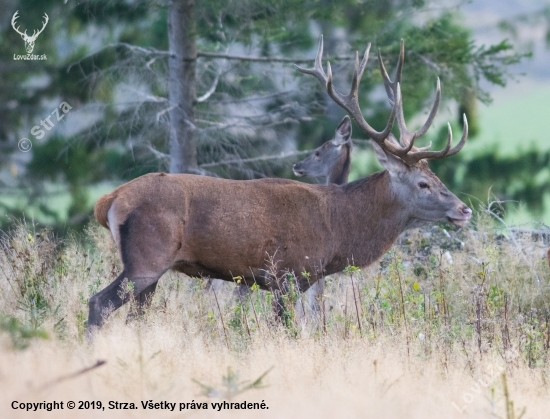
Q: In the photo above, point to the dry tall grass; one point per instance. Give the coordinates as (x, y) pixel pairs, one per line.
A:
(435, 329)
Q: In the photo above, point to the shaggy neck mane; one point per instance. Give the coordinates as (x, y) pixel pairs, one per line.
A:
(368, 220)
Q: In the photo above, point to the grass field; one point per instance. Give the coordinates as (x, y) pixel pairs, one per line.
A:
(448, 324)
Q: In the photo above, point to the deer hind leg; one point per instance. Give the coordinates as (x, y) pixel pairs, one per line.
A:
(143, 302)
(147, 246)
(102, 304)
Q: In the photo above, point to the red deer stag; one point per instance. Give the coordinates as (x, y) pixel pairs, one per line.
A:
(221, 228)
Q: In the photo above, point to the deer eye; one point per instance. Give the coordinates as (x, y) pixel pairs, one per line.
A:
(317, 154)
(423, 185)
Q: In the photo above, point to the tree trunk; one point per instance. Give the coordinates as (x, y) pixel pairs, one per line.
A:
(182, 86)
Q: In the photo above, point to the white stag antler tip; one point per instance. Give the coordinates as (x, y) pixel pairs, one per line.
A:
(438, 84)
(367, 50)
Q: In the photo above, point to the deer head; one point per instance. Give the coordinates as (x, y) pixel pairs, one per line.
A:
(29, 40)
(411, 181)
(332, 159)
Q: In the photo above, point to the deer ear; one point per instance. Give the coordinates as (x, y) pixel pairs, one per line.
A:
(388, 161)
(343, 132)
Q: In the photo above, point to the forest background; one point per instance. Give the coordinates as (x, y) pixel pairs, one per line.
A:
(211, 88)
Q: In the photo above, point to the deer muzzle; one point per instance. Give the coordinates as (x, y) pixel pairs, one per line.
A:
(297, 169)
(461, 216)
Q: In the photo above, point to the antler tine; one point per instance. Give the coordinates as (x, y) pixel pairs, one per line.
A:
(351, 102)
(388, 84)
(419, 155)
(405, 148)
(447, 151)
(421, 131)
(317, 69)
(462, 141)
(351, 106)
(386, 139)
(412, 155)
(405, 134)
(359, 70)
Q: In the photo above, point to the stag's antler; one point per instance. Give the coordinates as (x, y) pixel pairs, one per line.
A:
(404, 149)
(391, 86)
(350, 102)
(407, 152)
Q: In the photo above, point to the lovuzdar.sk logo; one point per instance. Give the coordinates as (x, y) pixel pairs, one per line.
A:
(29, 39)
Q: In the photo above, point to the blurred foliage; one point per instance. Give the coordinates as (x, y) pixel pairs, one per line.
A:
(20, 334)
(108, 61)
(538, 17)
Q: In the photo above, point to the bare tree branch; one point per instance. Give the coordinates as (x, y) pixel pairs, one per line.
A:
(216, 55)
(153, 52)
(148, 51)
(257, 159)
(168, 109)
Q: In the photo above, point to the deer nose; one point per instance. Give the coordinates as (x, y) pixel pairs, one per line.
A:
(297, 170)
(466, 211)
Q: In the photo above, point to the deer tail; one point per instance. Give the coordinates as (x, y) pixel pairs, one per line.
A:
(102, 207)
